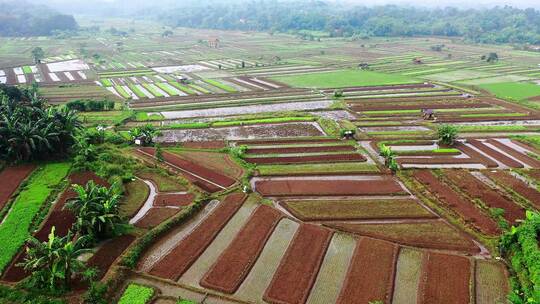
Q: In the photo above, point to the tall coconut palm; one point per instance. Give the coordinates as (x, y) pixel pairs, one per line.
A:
(52, 264)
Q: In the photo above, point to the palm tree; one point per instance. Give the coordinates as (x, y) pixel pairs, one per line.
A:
(53, 263)
(96, 209)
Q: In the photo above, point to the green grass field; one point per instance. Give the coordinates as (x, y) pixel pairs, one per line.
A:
(513, 90)
(343, 78)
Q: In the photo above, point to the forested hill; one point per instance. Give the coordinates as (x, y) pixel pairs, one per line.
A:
(25, 19)
(495, 25)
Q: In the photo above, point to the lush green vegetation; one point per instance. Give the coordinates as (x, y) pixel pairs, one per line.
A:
(152, 90)
(183, 88)
(496, 25)
(15, 228)
(520, 247)
(87, 105)
(447, 134)
(29, 130)
(136, 294)
(144, 116)
(343, 78)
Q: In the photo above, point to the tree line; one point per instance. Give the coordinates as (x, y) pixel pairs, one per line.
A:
(24, 19)
(494, 25)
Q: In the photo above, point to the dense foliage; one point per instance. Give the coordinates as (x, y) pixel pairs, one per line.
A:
(496, 25)
(29, 130)
(24, 19)
(447, 134)
(520, 247)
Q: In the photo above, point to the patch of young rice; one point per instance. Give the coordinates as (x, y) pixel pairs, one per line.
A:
(136, 294)
(408, 272)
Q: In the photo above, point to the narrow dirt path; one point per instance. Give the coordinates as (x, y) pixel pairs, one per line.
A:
(148, 204)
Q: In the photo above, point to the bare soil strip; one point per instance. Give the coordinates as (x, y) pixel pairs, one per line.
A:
(278, 150)
(479, 157)
(287, 141)
(478, 190)
(299, 267)
(328, 187)
(371, 273)
(236, 261)
(514, 153)
(355, 157)
(156, 216)
(11, 178)
(445, 279)
(174, 264)
(466, 209)
(173, 199)
(510, 162)
(520, 187)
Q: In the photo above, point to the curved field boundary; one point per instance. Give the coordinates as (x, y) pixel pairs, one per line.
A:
(11, 178)
(234, 264)
(512, 183)
(407, 276)
(328, 187)
(345, 210)
(491, 282)
(445, 279)
(514, 153)
(466, 210)
(510, 162)
(478, 190)
(178, 261)
(294, 278)
(428, 234)
(371, 273)
(173, 199)
(307, 159)
(307, 149)
(59, 218)
(202, 175)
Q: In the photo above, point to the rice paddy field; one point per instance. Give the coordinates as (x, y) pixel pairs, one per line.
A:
(269, 182)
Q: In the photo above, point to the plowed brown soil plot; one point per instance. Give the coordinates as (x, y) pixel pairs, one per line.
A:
(11, 178)
(288, 141)
(307, 149)
(436, 161)
(328, 187)
(59, 218)
(445, 279)
(299, 267)
(466, 209)
(429, 234)
(172, 199)
(236, 261)
(156, 216)
(198, 174)
(186, 252)
(335, 210)
(510, 162)
(477, 156)
(371, 273)
(307, 159)
(478, 190)
(516, 154)
(520, 187)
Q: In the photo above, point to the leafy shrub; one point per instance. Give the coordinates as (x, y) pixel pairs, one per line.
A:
(447, 134)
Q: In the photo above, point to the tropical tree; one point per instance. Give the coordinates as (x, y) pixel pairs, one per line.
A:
(53, 263)
(38, 54)
(447, 134)
(96, 209)
(145, 134)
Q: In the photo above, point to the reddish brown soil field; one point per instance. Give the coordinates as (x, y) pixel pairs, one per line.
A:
(195, 173)
(204, 145)
(307, 159)
(236, 261)
(328, 187)
(516, 154)
(495, 154)
(429, 234)
(478, 190)
(479, 157)
(371, 273)
(156, 216)
(11, 178)
(173, 200)
(507, 180)
(186, 252)
(294, 278)
(278, 150)
(288, 141)
(441, 160)
(59, 218)
(445, 279)
(467, 210)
